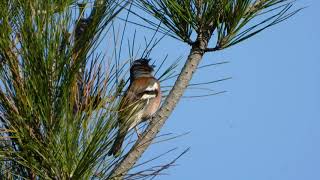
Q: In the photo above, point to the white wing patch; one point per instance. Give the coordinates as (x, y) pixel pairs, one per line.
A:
(153, 87)
(148, 96)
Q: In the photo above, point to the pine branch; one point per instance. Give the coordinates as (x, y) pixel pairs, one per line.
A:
(256, 6)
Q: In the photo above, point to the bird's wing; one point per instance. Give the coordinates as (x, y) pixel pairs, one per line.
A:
(132, 107)
(135, 99)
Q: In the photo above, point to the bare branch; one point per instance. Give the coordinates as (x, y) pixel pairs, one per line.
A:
(212, 49)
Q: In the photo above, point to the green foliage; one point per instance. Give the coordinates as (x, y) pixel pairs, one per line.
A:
(57, 116)
(232, 21)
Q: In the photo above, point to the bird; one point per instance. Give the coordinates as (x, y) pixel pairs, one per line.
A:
(139, 103)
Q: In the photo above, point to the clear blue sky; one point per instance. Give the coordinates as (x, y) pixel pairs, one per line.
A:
(267, 126)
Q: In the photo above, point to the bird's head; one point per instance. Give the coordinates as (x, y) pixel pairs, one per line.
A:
(141, 68)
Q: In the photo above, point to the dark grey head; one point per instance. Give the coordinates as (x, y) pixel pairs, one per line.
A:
(141, 68)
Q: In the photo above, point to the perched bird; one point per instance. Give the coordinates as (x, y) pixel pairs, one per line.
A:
(140, 101)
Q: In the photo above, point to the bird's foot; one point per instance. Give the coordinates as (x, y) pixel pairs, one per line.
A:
(150, 119)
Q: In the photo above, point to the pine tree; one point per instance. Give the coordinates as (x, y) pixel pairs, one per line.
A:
(58, 101)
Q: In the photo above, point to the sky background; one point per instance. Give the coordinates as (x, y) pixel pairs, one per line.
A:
(267, 125)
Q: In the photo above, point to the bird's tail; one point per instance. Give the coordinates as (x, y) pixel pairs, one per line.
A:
(116, 147)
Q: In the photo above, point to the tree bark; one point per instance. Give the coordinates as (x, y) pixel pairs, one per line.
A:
(193, 60)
